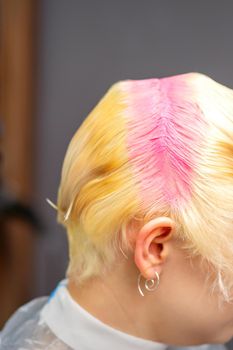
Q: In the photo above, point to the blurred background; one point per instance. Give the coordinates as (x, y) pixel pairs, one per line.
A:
(57, 59)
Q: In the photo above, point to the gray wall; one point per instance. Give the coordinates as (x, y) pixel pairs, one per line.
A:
(84, 47)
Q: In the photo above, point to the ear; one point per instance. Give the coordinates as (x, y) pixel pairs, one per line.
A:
(151, 247)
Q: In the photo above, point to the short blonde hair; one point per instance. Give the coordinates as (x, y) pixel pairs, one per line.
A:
(151, 147)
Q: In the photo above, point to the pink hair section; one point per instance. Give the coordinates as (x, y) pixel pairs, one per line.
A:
(166, 129)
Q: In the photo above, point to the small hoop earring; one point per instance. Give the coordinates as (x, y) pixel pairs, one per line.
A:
(150, 284)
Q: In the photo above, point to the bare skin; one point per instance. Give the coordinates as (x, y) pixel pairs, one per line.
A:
(180, 312)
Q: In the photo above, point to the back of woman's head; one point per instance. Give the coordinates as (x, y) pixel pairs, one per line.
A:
(152, 147)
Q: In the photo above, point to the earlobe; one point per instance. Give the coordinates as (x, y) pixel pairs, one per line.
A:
(150, 244)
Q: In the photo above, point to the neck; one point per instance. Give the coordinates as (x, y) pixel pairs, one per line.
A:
(112, 300)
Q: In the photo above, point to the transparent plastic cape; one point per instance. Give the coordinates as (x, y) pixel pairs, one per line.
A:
(23, 331)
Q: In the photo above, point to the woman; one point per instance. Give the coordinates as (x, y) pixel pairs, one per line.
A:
(146, 199)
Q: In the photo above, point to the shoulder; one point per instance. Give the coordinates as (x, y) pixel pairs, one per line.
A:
(27, 330)
(22, 323)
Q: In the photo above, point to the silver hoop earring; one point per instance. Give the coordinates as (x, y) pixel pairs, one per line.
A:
(150, 284)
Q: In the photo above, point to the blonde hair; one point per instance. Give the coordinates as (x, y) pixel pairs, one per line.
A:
(151, 147)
